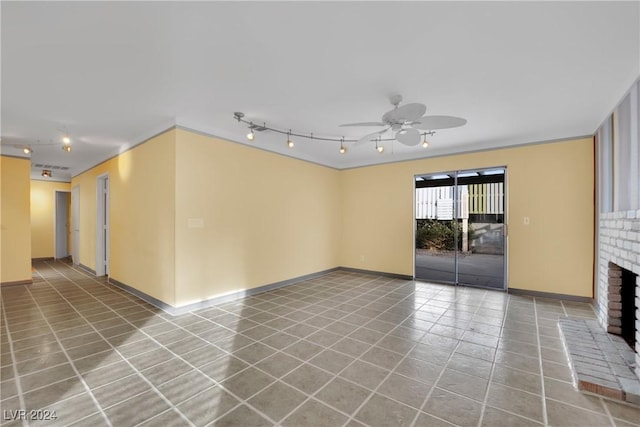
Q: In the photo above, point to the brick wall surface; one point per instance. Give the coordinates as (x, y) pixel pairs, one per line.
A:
(619, 243)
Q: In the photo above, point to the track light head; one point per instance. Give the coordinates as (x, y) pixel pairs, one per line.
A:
(66, 140)
(251, 136)
(343, 149)
(380, 148)
(46, 173)
(27, 150)
(66, 148)
(425, 143)
(290, 143)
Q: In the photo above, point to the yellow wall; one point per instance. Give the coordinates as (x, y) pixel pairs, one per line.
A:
(265, 217)
(194, 217)
(43, 204)
(15, 229)
(552, 184)
(142, 211)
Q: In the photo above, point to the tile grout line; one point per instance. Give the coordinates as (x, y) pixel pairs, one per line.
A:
(493, 365)
(14, 364)
(70, 361)
(313, 397)
(444, 367)
(215, 382)
(321, 299)
(545, 417)
(115, 350)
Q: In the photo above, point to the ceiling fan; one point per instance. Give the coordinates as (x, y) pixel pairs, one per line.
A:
(407, 121)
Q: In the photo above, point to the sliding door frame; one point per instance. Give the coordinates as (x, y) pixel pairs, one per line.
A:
(455, 173)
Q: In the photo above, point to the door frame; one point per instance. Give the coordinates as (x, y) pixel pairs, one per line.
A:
(102, 218)
(55, 225)
(505, 216)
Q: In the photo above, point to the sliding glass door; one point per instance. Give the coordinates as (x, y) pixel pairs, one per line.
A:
(460, 227)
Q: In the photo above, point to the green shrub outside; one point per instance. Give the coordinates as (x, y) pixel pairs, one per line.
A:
(437, 235)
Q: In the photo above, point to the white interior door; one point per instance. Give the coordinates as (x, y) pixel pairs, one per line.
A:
(61, 225)
(75, 224)
(102, 226)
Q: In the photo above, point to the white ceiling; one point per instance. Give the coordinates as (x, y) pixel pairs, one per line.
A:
(115, 73)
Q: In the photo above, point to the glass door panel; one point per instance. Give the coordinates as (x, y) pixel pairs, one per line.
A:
(481, 257)
(460, 229)
(435, 229)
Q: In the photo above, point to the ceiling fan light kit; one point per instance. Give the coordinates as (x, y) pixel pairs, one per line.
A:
(408, 123)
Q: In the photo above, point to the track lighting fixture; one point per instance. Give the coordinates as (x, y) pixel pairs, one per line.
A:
(289, 141)
(27, 150)
(66, 148)
(343, 150)
(66, 140)
(261, 128)
(46, 173)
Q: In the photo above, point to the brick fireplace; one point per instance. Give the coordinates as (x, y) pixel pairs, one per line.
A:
(619, 250)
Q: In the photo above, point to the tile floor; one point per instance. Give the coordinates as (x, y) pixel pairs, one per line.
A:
(345, 349)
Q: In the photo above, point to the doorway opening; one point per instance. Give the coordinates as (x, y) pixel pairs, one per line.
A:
(102, 225)
(460, 227)
(62, 230)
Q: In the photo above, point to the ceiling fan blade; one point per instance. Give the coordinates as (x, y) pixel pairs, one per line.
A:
(408, 137)
(364, 124)
(369, 138)
(405, 113)
(438, 122)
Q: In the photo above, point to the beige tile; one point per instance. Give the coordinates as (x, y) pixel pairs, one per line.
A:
(384, 358)
(68, 411)
(107, 374)
(303, 350)
(137, 409)
(331, 361)
(46, 377)
(343, 395)
(223, 368)
(623, 411)
(313, 413)
(364, 374)
(513, 400)
(307, 378)
(248, 382)
(426, 420)
(381, 411)
(185, 386)
(463, 384)
(207, 406)
(351, 347)
(419, 370)
(470, 365)
(405, 390)
(561, 415)
(567, 393)
(277, 400)
(517, 379)
(279, 364)
(493, 417)
(453, 408)
(120, 390)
